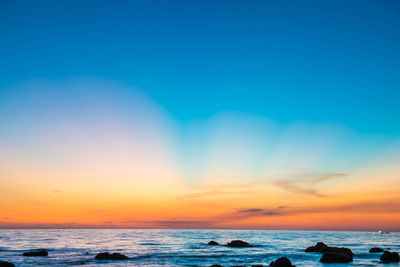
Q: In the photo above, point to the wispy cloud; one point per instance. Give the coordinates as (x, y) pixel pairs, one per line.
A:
(392, 206)
(305, 183)
(298, 183)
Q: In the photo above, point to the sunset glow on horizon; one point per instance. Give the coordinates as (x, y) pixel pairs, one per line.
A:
(199, 130)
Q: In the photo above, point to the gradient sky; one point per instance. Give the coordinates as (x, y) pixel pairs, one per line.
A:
(200, 114)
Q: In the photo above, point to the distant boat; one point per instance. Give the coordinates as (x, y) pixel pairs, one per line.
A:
(383, 232)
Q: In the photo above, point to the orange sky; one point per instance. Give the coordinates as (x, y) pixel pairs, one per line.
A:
(104, 167)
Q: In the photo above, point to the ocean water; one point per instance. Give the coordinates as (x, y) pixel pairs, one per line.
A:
(185, 247)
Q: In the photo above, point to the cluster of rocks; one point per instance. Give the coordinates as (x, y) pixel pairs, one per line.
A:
(44, 253)
(332, 254)
(329, 254)
(344, 255)
(387, 255)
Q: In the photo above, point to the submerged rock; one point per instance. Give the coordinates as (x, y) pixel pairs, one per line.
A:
(216, 265)
(316, 248)
(108, 256)
(375, 249)
(335, 254)
(6, 264)
(38, 253)
(388, 256)
(282, 262)
(238, 244)
(213, 243)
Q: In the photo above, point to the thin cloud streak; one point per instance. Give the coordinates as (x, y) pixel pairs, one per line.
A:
(362, 207)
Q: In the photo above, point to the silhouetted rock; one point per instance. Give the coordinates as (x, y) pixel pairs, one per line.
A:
(282, 262)
(6, 264)
(37, 253)
(335, 254)
(216, 265)
(317, 248)
(213, 243)
(332, 254)
(108, 256)
(337, 249)
(238, 244)
(375, 249)
(257, 265)
(388, 256)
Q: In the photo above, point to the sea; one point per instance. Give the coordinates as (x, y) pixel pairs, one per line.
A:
(69, 247)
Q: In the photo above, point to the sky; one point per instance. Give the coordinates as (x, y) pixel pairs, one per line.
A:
(200, 114)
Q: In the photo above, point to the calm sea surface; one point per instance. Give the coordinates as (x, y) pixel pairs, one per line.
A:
(185, 247)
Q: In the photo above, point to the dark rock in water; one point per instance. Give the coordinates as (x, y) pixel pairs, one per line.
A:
(388, 256)
(257, 265)
(6, 264)
(332, 254)
(238, 244)
(375, 249)
(282, 262)
(317, 248)
(37, 253)
(216, 265)
(337, 249)
(335, 254)
(108, 256)
(213, 243)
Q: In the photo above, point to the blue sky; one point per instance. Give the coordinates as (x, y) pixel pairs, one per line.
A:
(320, 61)
(166, 109)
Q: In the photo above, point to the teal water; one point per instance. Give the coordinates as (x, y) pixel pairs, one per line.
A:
(185, 247)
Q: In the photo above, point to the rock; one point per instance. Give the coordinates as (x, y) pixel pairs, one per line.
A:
(375, 249)
(37, 253)
(337, 249)
(335, 254)
(282, 262)
(216, 265)
(388, 256)
(6, 264)
(108, 256)
(332, 254)
(317, 248)
(256, 265)
(238, 244)
(213, 243)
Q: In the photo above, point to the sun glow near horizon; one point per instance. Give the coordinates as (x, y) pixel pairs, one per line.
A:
(94, 153)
